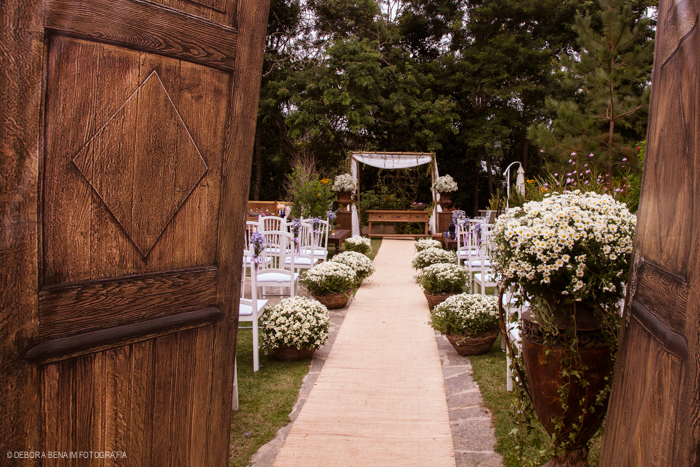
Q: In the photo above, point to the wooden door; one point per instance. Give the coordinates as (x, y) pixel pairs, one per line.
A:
(654, 412)
(127, 136)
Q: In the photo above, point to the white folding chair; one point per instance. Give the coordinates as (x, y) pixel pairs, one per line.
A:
(277, 271)
(251, 309)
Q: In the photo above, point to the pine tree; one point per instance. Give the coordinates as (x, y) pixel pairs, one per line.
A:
(609, 82)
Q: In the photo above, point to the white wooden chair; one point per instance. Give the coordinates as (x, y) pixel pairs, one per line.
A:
(272, 223)
(278, 271)
(513, 329)
(484, 276)
(303, 256)
(250, 309)
(319, 238)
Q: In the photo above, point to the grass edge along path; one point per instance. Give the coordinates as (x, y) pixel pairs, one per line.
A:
(265, 399)
(489, 371)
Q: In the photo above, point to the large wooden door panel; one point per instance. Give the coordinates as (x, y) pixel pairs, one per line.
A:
(127, 179)
(654, 412)
(125, 172)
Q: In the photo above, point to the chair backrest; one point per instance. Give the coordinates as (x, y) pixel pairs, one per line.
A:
(278, 248)
(319, 234)
(272, 223)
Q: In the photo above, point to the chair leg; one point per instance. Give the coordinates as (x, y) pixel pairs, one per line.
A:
(256, 356)
(235, 385)
(509, 374)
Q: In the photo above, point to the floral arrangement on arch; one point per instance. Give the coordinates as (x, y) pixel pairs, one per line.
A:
(328, 277)
(445, 184)
(466, 314)
(344, 182)
(359, 262)
(425, 243)
(578, 244)
(360, 244)
(443, 278)
(430, 256)
(297, 322)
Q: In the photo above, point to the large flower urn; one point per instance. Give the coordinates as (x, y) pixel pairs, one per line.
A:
(559, 396)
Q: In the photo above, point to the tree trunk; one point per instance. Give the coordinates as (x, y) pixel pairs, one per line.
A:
(257, 154)
(476, 200)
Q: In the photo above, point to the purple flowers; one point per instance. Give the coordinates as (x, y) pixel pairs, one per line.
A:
(330, 215)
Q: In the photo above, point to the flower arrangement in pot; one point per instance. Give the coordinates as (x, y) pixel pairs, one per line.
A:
(468, 321)
(441, 281)
(294, 328)
(425, 258)
(360, 244)
(425, 243)
(569, 254)
(359, 262)
(344, 184)
(330, 283)
(445, 185)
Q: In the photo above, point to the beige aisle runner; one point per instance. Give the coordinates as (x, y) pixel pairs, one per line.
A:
(380, 397)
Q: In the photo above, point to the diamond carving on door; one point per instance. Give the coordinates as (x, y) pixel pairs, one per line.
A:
(143, 163)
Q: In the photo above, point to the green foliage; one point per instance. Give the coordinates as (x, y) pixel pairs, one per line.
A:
(443, 278)
(465, 314)
(310, 196)
(609, 82)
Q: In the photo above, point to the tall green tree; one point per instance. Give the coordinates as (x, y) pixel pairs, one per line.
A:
(609, 85)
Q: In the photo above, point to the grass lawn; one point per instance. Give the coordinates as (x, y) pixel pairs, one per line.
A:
(265, 398)
(489, 372)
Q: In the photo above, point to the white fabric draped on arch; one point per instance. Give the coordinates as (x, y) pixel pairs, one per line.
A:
(397, 160)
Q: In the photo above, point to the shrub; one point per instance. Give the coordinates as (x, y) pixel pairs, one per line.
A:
(433, 256)
(328, 277)
(425, 243)
(359, 262)
(360, 244)
(465, 314)
(443, 278)
(297, 322)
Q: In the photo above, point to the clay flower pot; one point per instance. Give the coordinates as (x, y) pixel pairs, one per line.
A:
(434, 299)
(334, 301)
(292, 354)
(475, 345)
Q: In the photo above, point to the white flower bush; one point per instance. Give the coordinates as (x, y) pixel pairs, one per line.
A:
(360, 244)
(328, 277)
(425, 243)
(577, 244)
(430, 256)
(466, 314)
(443, 278)
(297, 322)
(344, 182)
(445, 184)
(359, 262)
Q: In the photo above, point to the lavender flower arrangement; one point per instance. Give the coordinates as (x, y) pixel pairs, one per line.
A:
(258, 242)
(330, 215)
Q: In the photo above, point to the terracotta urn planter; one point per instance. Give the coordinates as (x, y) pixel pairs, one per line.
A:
(292, 354)
(434, 299)
(476, 345)
(334, 301)
(445, 200)
(544, 362)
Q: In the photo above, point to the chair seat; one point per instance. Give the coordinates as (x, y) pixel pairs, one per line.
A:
(490, 278)
(477, 263)
(275, 277)
(302, 261)
(317, 251)
(247, 310)
(467, 254)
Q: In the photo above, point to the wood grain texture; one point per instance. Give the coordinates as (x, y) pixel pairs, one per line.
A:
(663, 292)
(21, 60)
(145, 26)
(70, 310)
(97, 341)
(251, 21)
(82, 239)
